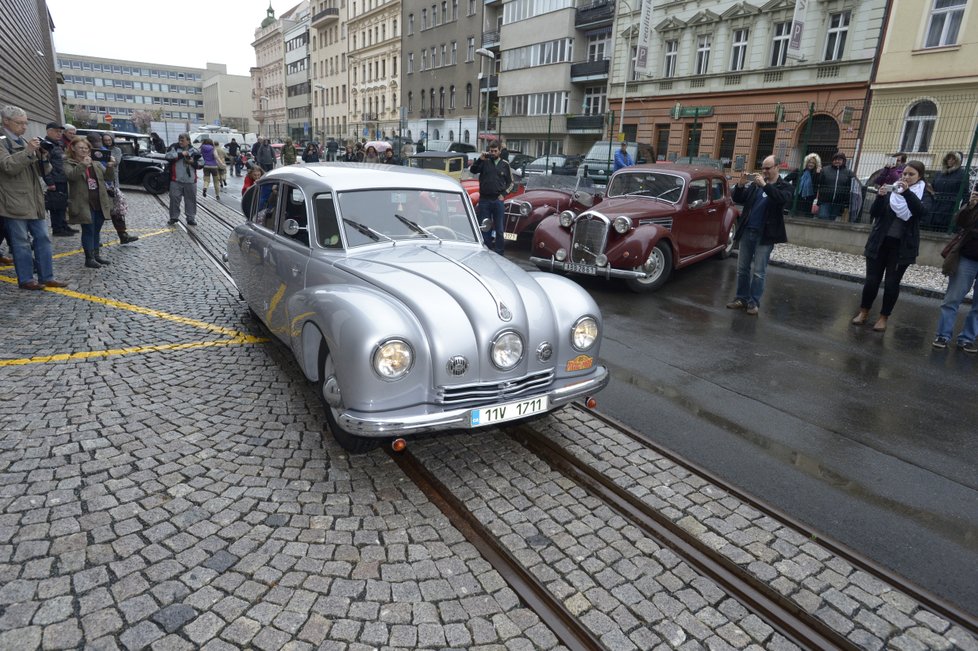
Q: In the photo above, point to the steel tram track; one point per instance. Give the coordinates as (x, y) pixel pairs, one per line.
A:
(782, 614)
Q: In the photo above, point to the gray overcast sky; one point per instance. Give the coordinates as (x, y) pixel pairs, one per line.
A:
(216, 31)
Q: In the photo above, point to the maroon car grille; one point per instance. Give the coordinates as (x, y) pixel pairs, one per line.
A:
(512, 212)
(588, 240)
(490, 392)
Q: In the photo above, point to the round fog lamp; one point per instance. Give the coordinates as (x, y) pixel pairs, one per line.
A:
(567, 218)
(561, 255)
(585, 333)
(393, 359)
(622, 224)
(601, 260)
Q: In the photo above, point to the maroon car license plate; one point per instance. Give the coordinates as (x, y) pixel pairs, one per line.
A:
(510, 236)
(586, 269)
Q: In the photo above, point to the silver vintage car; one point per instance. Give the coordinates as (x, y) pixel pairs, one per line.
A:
(377, 278)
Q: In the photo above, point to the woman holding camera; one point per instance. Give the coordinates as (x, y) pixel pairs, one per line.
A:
(88, 199)
(894, 242)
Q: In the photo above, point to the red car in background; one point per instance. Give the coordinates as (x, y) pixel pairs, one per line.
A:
(653, 219)
(545, 195)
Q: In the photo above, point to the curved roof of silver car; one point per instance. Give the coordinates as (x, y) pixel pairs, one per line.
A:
(364, 176)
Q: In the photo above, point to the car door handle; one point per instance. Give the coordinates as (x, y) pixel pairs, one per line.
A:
(711, 210)
(265, 254)
(295, 271)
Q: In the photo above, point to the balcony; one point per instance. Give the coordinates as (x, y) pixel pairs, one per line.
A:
(368, 117)
(325, 17)
(489, 84)
(585, 124)
(490, 39)
(590, 71)
(596, 14)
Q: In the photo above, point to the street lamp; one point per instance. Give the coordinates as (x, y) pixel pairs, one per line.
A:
(624, 81)
(487, 54)
(322, 98)
(264, 112)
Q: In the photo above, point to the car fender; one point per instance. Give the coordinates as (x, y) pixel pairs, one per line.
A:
(569, 302)
(636, 246)
(351, 321)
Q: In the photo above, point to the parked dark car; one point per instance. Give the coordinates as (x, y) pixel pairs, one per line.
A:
(545, 195)
(518, 161)
(554, 164)
(140, 165)
(655, 218)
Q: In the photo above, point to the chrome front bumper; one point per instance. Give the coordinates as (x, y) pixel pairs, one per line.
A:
(552, 264)
(388, 424)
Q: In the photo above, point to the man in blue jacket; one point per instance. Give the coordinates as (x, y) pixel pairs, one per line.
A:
(622, 159)
(761, 226)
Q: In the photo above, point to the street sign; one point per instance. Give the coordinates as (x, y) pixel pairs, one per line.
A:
(108, 118)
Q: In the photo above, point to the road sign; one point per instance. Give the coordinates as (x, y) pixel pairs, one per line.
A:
(108, 118)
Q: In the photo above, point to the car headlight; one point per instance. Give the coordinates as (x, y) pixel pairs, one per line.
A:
(622, 224)
(585, 333)
(567, 218)
(524, 209)
(507, 350)
(393, 359)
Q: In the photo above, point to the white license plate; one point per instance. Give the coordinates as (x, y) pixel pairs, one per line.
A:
(510, 236)
(508, 411)
(586, 269)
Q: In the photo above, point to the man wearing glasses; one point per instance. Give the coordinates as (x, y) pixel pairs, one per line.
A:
(760, 227)
(22, 202)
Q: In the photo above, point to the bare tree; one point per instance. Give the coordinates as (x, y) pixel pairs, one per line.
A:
(142, 120)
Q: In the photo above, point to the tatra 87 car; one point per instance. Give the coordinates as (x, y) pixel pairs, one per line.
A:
(377, 279)
(654, 218)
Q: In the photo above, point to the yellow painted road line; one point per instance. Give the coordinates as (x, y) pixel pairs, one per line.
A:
(66, 357)
(68, 254)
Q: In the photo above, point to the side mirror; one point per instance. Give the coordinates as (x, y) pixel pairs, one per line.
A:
(291, 227)
(697, 203)
(486, 225)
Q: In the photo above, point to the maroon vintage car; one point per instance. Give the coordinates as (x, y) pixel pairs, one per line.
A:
(546, 195)
(654, 218)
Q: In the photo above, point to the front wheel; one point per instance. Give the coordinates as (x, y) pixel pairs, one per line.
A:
(155, 183)
(659, 268)
(332, 399)
(728, 248)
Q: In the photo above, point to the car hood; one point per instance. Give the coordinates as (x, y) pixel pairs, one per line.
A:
(635, 207)
(462, 295)
(544, 197)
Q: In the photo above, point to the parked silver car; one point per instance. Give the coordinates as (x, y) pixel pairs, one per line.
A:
(377, 278)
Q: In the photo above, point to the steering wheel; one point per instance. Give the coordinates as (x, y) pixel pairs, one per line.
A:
(443, 232)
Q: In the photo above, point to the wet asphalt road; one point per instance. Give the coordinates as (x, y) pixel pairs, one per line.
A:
(869, 438)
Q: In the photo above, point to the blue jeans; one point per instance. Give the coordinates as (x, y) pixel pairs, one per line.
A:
(750, 283)
(829, 210)
(493, 210)
(958, 285)
(21, 245)
(91, 233)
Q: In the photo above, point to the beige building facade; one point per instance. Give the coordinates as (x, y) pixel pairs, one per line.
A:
(328, 74)
(925, 94)
(373, 68)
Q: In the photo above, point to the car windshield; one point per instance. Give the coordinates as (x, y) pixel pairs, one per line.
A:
(559, 182)
(385, 215)
(659, 185)
(547, 162)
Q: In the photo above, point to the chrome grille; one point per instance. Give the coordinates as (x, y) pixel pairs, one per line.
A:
(490, 392)
(589, 239)
(512, 211)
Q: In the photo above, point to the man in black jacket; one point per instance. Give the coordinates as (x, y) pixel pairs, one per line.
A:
(56, 196)
(761, 226)
(495, 182)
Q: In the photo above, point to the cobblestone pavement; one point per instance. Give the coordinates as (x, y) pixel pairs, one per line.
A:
(165, 483)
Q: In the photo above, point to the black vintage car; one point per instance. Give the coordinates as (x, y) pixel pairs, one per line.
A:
(140, 165)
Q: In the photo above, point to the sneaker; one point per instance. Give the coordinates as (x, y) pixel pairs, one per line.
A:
(63, 233)
(54, 283)
(939, 342)
(205, 192)
(127, 238)
(751, 309)
(173, 222)
(737, 304)
(968, 347)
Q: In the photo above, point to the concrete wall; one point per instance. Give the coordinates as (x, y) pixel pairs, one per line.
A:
(851, 238)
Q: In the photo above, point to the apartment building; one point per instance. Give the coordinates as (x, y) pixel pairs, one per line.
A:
(373, 67)
(923, 94)
(728, 82)
(442, 71)
(298, 87)
(27, 73)
(328, 71)
(94, 88)
(268, 85)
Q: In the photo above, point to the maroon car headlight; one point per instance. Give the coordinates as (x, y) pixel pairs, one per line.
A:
(622, 224)
(524, 209)
(567, 218)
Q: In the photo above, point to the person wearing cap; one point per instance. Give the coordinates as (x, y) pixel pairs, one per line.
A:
(834, 187)
(22, 202)
(56, 195)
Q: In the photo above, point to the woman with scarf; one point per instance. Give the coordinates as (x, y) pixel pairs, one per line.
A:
(119, 204)
(211, 169)
(88, 199)
(893, 242)
(806, 182)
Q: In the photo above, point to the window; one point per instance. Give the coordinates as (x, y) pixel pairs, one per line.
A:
(444, 54)
(424, 19)
(454, 9)
(434, 15)
(424, 60)
(703, 54)
(470, 49)
(410, 24)
(471, 7)
(779, 49)
(598, 45)
(672, 54)
(945, 21)
(468, 95)
(919, 127)
(454, 52)
(595, 99)
(738, 51)
(451, 98)
(835, 42)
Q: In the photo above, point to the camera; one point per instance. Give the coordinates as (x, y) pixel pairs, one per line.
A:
(47, 145)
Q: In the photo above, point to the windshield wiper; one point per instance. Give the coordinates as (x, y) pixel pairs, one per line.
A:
(366, 230)
(416, 227)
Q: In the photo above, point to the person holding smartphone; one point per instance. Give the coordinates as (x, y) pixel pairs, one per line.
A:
(495, 182)
(963, 278)
(893, 242)
(764, 196)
